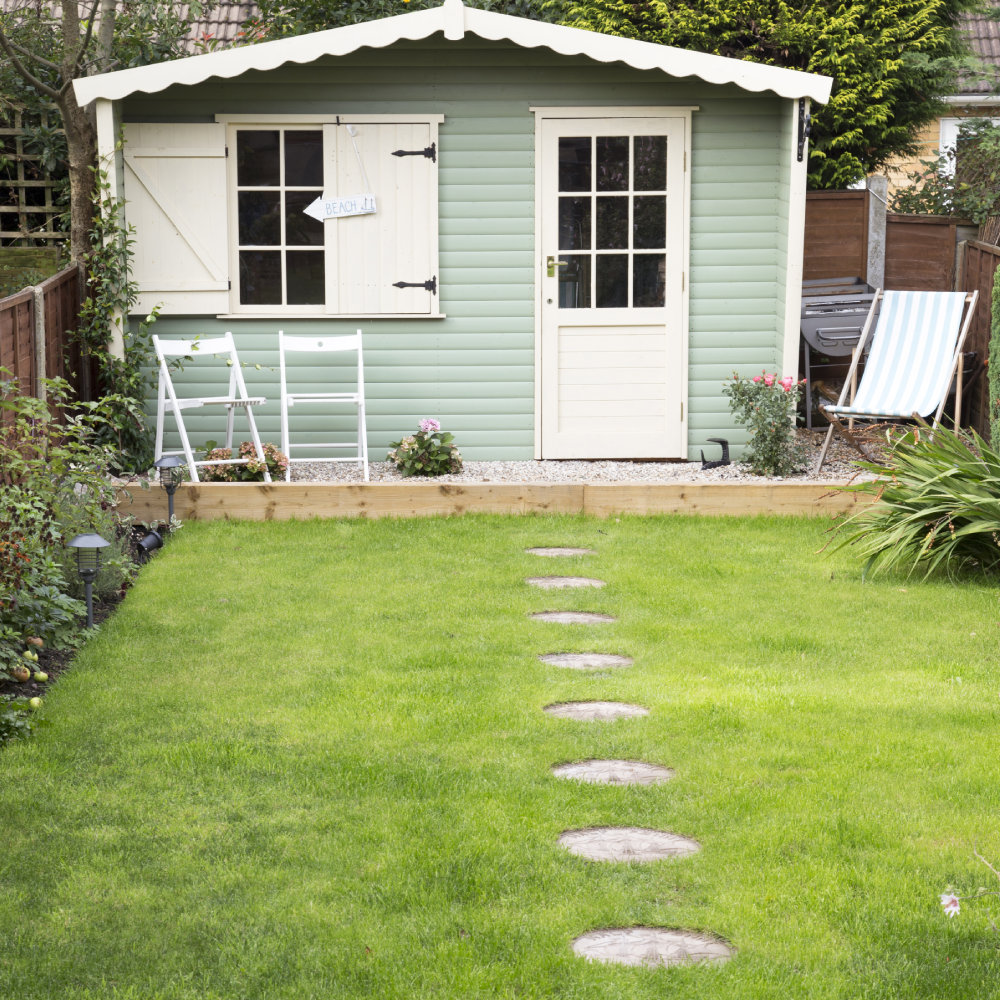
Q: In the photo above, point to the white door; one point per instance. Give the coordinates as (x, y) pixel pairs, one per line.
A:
(612, 240)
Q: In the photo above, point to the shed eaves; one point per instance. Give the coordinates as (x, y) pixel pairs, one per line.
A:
(454, 20)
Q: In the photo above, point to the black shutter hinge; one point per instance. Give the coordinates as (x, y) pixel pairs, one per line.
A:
(431, 286)
(805, 126)
(430, 152)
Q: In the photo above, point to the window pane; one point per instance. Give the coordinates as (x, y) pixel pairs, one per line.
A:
(301, 230)
(260, 277)
(257, 159)
(574, 282)
(574, 223)
(612, 163)
(649, 220)
(612, 223)
(259, 218)
(306, 277)
(574, 164)
(612, 281)
(303, 159)
(650, 163)
(648, 280)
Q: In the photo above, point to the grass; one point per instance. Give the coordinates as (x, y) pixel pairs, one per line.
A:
(307, 760)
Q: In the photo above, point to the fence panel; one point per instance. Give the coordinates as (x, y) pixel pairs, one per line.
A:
(978, 272)
(836, 237)
(17, 341)
(920, 252)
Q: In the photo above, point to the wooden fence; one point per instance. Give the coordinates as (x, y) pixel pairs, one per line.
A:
(920, 252)
(979, 263)
(836, 240)
(36, 331)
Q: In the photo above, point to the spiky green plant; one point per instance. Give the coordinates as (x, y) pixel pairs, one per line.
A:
(938, 506)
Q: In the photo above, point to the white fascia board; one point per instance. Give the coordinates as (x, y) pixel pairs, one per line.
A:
(454, 20)
(974, 100)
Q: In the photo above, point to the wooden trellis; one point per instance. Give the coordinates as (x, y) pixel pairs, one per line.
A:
(19, 219)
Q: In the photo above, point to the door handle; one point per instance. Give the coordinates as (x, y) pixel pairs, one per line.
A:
(551, 264)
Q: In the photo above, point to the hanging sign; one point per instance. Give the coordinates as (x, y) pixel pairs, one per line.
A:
(336, 208)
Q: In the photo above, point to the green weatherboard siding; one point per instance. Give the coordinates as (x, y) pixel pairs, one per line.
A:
(475, 369)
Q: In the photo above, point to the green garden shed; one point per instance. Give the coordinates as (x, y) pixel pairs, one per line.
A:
(576, 239)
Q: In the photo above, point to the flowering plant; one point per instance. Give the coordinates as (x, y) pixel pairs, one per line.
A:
(252, 472)
(767, 405)
(429, 452)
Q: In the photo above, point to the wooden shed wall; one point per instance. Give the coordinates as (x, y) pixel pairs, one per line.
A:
(475, 369)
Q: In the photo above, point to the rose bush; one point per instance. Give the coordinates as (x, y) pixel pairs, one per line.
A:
(767, 405)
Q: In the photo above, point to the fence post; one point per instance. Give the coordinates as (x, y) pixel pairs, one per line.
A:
(878, 191)
(39, 297)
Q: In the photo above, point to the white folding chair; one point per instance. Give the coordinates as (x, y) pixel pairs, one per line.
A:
(237, 398)
(321, 345)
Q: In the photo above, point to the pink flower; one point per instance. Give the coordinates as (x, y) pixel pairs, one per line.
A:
(429, 424)
(769, 380)
(950, 903)
(756, 378)
(787, 382)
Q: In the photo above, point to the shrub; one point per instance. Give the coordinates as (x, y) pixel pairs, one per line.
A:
(429, 452)
(767, 405)
(252, 472)
(939, 506)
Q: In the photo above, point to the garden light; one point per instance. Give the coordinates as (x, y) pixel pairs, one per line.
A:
(88, 564)
(170, 479)
(152, 541)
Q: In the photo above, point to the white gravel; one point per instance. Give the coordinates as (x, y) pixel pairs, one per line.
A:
(839, 466)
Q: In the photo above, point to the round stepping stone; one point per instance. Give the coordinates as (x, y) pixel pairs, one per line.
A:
(572, 617)
(554, 552)
(627, 843)
(586, 661)
(595, 711)
(650, 946)
(563, 582)
(614, 772)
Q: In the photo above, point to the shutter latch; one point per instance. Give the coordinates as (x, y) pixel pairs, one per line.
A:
(431, 286)
(430, 152)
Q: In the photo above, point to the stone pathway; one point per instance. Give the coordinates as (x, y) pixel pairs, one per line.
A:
(572, 617)
(563, 582)
(627, 843)
(595, 711)
(650, 946)
(556, 552)
(614, 772)
(586, 661)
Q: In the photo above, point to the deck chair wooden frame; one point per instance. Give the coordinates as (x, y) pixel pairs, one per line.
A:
(836, 414)
(322, 345)
(168, 402)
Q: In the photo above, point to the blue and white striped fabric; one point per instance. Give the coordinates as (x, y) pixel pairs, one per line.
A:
(909, 368)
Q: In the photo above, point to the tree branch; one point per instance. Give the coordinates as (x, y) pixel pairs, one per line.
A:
(38, 59)
(25, 74)
(86, 38)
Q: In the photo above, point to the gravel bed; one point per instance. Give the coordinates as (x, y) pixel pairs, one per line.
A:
(840, 465)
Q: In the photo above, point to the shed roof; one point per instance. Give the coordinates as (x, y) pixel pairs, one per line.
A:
(454, 19)
(983, 35)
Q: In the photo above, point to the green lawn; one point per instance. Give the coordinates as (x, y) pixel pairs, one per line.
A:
(303, 758)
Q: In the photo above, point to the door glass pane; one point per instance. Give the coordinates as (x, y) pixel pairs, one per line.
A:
(650, 222)
(300, 229)
(260, 277)
(612, 223)
(648, 284)
(612, 281)
(612, 163)
(574, 223)
(303, 159)
(574, 282)
(574, 164)
(257, 159)
(259, 218)
(306, 277)
(650, 163)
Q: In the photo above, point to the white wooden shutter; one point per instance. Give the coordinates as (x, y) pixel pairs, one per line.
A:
(175, 193)
(367, 254)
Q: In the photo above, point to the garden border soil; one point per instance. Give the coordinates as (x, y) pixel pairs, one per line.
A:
(303, 500)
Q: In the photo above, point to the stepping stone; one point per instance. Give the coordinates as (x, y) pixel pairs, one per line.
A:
(595, 711)
(572, 617)
(563, 582)
(627, 843)
(553, 552)
(614, 772)
(651, 946)
(586, 661)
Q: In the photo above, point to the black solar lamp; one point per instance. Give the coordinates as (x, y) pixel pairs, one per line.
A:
(88, 565)
(170, 478)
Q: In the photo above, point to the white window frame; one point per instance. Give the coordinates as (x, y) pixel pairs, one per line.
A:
(234, 122)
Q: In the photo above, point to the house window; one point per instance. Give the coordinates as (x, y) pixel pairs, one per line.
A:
(282, 260)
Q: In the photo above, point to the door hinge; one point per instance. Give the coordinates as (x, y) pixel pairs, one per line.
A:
(805, 127)
(227, 150)
(230, 284)
(431, 285)
(430, 152)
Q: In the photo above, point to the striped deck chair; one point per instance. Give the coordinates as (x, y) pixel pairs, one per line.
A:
(915, 353)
